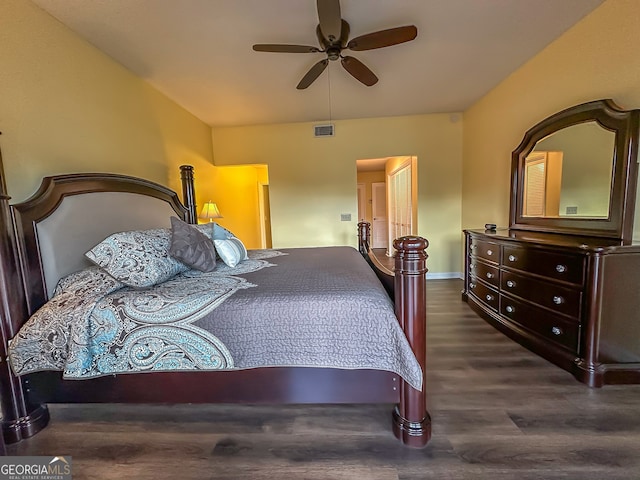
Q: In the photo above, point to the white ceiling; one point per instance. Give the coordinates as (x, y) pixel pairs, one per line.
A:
(198, 52)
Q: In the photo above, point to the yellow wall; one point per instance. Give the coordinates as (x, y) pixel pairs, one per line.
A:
(313, 180)
(235, 191)
(66, 107)
(597, 58)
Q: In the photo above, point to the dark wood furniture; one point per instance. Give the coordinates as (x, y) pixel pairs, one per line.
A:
(23, 289)
(567, 287)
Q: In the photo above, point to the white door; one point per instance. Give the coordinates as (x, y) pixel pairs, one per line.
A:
(379, 234)
(400, 208)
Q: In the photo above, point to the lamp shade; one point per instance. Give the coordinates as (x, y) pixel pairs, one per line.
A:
(210, 211)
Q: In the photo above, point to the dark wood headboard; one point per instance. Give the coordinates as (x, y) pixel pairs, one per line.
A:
(69, 214)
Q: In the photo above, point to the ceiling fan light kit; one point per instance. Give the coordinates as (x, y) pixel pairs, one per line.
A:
(333, 36)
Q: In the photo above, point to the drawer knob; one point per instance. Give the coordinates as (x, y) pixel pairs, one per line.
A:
(561, 268)
(512, 258)
(489, 298)
(511, 283)
(558, 300)
(472, 266)
(472, 286)
(489, 252)
(556, 330)
(510, 309)
(490, 275)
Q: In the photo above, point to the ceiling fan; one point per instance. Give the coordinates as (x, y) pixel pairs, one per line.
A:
(333, 36)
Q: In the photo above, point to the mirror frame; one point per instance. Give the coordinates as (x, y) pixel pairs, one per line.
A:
(626, 126)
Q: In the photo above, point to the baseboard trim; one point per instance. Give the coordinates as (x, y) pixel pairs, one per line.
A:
(444, 276)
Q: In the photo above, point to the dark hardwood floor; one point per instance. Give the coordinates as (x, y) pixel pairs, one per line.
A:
(499, 412)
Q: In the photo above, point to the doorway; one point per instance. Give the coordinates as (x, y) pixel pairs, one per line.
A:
(379, 225)
(264, 212)
(390, 190)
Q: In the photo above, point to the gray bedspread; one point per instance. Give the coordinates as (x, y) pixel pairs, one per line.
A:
(318, 307)
(310, 307)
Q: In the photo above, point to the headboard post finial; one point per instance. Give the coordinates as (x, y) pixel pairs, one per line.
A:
(189, 193)
(364, 237)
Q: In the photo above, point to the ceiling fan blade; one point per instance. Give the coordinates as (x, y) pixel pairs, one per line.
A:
(359, 71)
(383, 38)
(277, 48)
(312, 74)
(330, 19)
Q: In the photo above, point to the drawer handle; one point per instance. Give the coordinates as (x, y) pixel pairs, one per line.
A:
(556, 330)
(473, 247)
(489, 298)
(490, 275)
(510, 309)
(472, 266)
(511, 283)
(561, 268)
(512, 258)
(472, 286)
(558, 300)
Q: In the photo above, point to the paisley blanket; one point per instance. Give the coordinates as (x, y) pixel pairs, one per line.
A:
(319, 307)
(94, 325)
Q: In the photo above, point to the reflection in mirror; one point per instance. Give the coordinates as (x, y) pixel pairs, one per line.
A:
(569, 173)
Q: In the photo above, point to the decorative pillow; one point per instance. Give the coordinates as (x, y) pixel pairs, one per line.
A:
(191, 246)
(138, 259)
(232, 251)
(215, 231)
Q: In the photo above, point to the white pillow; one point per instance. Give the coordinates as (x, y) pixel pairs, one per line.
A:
(232, 251)
(214, 231)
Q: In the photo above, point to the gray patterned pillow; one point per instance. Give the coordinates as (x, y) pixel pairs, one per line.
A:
(232, 251)
(138, 259)
(191, 246)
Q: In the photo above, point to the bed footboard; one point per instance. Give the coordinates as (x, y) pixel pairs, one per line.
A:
(407, 287)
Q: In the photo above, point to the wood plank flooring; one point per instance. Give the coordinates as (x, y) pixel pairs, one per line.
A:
(499, 412)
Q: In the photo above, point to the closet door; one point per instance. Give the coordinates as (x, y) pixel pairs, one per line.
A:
(400, 207)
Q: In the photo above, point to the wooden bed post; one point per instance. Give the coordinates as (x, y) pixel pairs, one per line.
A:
(411, 421)
(19, 418)
(189, 193)
(364, 237)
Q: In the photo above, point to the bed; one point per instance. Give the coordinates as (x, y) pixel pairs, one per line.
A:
(44, 239)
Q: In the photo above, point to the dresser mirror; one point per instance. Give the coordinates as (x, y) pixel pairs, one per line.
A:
(576, 172)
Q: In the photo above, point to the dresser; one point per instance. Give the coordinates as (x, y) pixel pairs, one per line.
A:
(573, 300)
(563, 279)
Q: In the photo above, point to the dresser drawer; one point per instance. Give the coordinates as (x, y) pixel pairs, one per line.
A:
(560, 299)
(559, 266)
(551, 327)
(485, 272)
(486, 295)
(486, 250)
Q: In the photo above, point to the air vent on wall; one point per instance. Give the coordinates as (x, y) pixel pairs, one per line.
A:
(323, 130)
